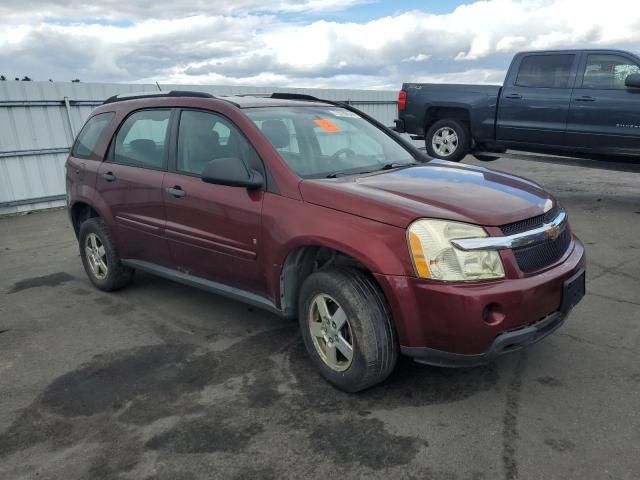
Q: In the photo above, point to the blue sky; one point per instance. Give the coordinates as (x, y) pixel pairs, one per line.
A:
(376, 9)
(300, 43)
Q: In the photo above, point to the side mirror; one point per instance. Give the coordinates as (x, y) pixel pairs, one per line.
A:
(231, 172)
(633, 80)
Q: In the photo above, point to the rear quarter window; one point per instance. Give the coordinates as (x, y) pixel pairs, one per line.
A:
(85, 144)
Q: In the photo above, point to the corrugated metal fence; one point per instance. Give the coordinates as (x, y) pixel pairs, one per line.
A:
(39, 120)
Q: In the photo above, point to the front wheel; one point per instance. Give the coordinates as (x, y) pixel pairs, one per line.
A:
(347, 329)
(448, 139)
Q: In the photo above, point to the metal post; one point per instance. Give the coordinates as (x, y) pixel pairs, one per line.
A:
(68, 108)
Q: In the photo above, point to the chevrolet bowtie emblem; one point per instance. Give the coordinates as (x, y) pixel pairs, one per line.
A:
(552, 232)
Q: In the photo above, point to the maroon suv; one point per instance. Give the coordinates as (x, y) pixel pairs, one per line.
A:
(314, 210)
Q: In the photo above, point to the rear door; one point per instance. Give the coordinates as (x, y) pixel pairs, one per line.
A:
(130, 181)
(214, 231)
(605, 115)
(534, 103)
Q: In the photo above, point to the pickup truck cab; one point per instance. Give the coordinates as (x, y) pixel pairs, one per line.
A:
(577, 101)
(313, 210)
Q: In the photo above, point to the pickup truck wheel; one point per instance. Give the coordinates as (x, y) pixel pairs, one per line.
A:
(99, 258)
(448, 139)
(347, 329)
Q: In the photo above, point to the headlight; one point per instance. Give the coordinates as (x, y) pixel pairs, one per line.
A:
(435, 257)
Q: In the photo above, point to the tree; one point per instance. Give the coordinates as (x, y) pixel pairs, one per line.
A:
(2, 78)
(17, 79)
(75, 80)
(26, 79)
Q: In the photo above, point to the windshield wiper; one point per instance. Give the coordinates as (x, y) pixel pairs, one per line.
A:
(386, 166)
(338, 174)
(392, 165)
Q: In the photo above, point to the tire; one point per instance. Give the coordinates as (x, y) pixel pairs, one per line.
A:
(462, 139)
(115, 276)
(368, 327)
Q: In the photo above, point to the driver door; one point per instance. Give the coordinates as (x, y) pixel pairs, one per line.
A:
(213, 230)
(604, 113)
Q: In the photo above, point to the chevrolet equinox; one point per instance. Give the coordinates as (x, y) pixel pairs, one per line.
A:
(314, 210)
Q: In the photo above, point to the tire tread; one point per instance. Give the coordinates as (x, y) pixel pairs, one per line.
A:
(119, 275)
(367, 297)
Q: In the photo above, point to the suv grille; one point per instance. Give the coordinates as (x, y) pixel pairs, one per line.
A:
(530, 223)
(540, 255)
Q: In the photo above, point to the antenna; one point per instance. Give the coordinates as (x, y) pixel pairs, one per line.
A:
(158, 85)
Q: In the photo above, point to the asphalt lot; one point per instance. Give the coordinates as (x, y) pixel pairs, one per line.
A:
(165, 382)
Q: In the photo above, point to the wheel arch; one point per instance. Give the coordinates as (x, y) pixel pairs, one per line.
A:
(86, 204)
(303, 260)
(435, 113)
(81, 211)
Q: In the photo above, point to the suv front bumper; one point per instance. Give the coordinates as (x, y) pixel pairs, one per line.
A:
(574, 290)
(444, 323)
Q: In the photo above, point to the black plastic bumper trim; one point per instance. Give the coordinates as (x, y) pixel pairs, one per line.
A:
(504, 343)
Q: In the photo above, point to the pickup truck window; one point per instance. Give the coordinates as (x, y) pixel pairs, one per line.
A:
(545, 71)
(607, 72)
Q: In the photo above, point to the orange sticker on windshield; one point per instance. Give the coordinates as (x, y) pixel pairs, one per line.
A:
(327, 125)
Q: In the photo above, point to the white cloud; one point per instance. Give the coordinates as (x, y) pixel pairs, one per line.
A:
(510, 43)
(252, 42)
(421, 57)
(143, 9)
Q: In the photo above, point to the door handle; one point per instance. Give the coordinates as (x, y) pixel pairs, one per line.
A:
(514, 96)
(175, 191)
(585, 98)
(108, 176)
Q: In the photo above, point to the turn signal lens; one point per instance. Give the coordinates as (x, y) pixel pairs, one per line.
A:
(419, 261)
(435, 257)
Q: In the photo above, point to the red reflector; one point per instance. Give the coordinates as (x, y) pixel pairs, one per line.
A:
(402, 100)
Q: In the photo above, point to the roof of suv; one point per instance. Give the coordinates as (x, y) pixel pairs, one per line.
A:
(250, 101)
(241, 101)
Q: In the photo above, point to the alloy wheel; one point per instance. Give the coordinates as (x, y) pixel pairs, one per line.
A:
(331, 332)
(96, 256)
(445, 141)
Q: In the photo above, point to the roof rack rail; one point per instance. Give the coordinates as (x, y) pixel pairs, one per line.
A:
(173, 93)
(295, 96)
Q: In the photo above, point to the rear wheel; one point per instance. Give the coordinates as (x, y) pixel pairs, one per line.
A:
(448, 139)
(347, 329)
(99, 258)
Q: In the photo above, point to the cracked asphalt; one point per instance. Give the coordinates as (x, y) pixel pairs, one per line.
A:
(160, 381)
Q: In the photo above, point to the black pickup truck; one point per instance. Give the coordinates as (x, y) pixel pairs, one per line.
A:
(569, 101)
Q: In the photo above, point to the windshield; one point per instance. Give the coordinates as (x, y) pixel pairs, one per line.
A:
(327, 141)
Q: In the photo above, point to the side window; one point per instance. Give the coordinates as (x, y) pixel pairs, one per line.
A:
(224, 133)
(90, 135)
(205, 136)
(607, 71)
(545, 71)
(142, 139)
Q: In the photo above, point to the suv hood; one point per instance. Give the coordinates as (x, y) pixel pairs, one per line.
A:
(437, 189)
